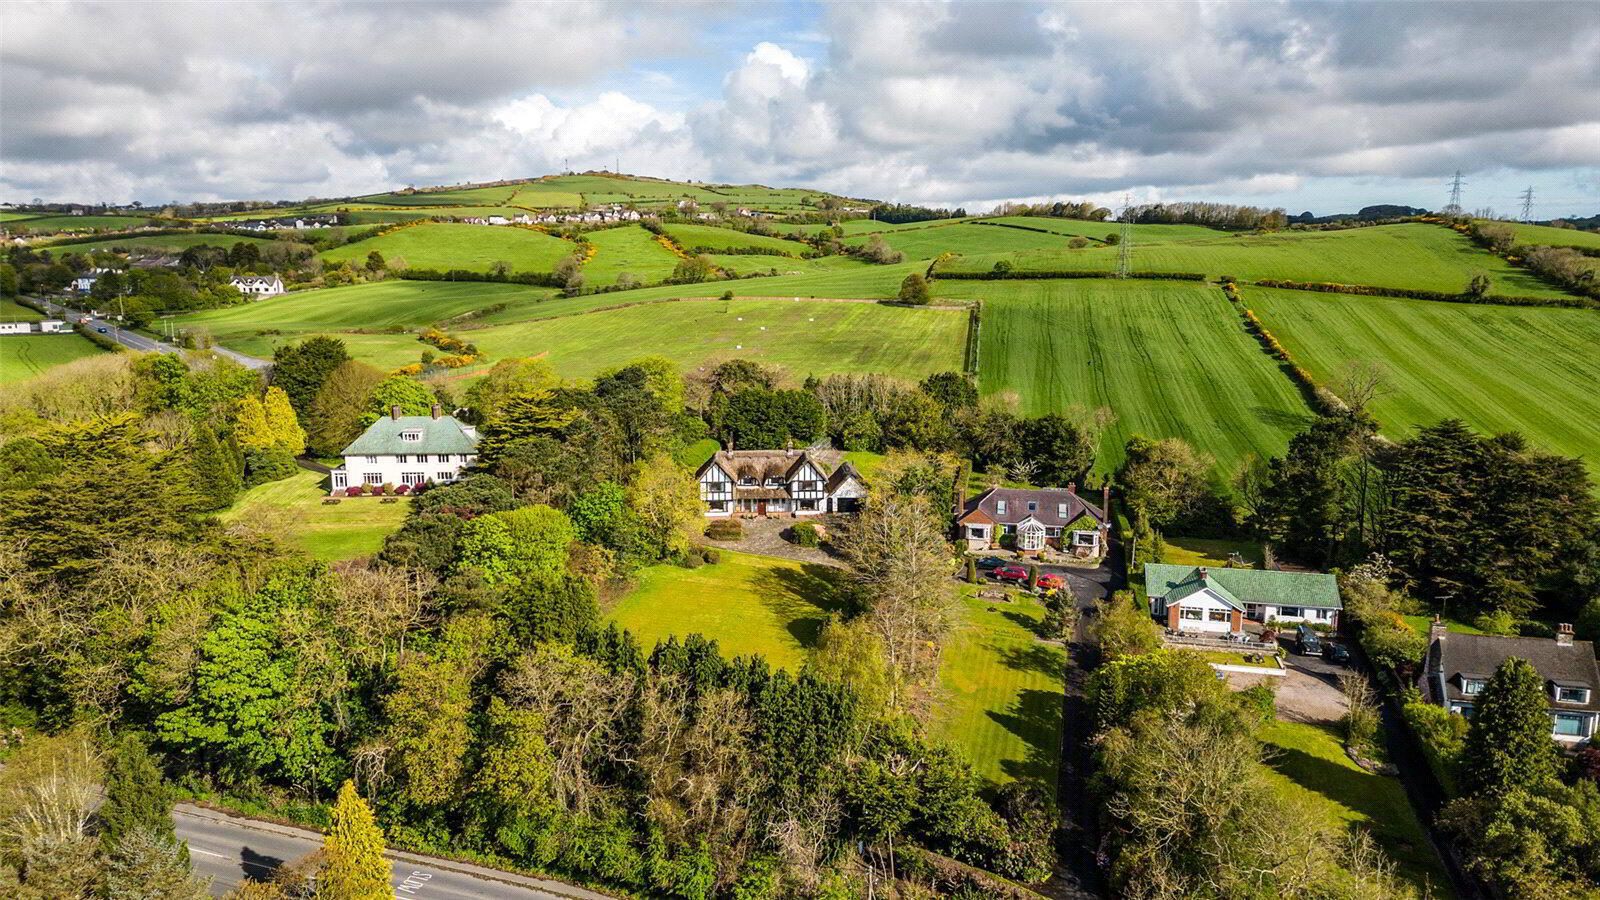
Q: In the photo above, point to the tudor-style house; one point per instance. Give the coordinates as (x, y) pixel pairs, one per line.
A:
(1190, 598)
(1458, 666)
(769, 482)
(409, 450)
(1032, 520)
(258, 285)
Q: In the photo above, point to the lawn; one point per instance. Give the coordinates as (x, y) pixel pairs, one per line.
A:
(1225, 658)
(167, 242)
(748, 604)
(292, 510)
(12, 311)
(695, 237)
(1170, 359)
(627, 249)
(1420, 624)
(1404, 256)
(1498, 368)
(1310, 767)
(1002, 691)
(1188, 551)
(488, 196)
(23, 356)
(457, 246)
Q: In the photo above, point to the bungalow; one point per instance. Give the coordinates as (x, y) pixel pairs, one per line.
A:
(764, 482)
(1189, 598)
(258, 285)
(1032, 520)
(412, 450)
(1457, 666)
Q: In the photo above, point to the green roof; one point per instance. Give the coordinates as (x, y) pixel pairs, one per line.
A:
(1241, 586)
(441, 435)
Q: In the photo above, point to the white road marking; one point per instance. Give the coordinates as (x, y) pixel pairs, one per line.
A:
(208, 853)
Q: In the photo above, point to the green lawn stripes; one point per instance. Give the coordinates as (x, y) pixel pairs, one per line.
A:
(691, 236)
(293, 509)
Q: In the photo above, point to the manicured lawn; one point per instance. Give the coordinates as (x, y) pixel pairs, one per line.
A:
(1170, 359)
(168, 242)
(713, 238)
(455, 246)
(1497, 368)
(1311, 768)
(23, 356)
(293, 511)
(1002, 691)
(12, 311)
(1224, 658)
(628, 249)
(748, 604)
(1187, 551)
(1403, 256)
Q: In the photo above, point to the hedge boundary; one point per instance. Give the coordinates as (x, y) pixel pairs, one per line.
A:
(1042, 275)
(1367, 290)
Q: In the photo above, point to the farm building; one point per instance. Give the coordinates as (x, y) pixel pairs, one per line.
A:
(1458, 666)
(1031, 521)
(408, 450)
(258, 285)
(767, 482)
(1189, 598)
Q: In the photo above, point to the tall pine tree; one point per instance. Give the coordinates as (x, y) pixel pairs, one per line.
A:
(1508, 745)
(356, 869)
(217, 477)
(301, 369)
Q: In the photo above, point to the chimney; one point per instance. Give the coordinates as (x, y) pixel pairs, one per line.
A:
(435, 410)
(1105, 501)
(1202, 573)
(1564, 634)
(1437, 629)
(394, 413)
(1072, 488)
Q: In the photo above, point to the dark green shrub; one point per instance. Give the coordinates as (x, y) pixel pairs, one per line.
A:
(725, 530)
(805, 535)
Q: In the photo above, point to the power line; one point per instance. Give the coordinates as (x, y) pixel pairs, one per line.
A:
(1125, 246)
(1527, 204)
(1456, 184)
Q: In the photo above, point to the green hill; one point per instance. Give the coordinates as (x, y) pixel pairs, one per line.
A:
(455, 246)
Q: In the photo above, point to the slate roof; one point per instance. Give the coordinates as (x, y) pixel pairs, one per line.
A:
(1245, 585)
(441, 435)
(985, 507)
(1478, 655)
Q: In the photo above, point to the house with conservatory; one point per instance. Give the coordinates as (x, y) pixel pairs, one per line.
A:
(408, 450)
(1458, 666)
(777, 482)
(1219, 602)
(1033, 521)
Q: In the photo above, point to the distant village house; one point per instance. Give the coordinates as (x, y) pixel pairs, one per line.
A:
(258, 285)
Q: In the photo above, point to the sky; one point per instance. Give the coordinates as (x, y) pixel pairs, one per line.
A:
(1324, 106)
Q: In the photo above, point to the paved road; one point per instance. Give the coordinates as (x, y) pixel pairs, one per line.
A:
(230, 849)
(134, 341)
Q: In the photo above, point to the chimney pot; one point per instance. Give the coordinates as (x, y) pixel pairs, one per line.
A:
(435, 410)
(1203, 573)
(1437, 628)
(394, 412)
(1564, 634)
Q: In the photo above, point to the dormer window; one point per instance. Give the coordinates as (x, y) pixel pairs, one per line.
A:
(412, 436)
(774, 482)
(1566, 694)
(747, 481)
(1471, 686)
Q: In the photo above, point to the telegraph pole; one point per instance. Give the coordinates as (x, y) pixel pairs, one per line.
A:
(1527, 204)
(1456, 184)
(1125, 246)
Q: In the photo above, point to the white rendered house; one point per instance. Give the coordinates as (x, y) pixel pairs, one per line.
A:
(409, 450)
(258, 285)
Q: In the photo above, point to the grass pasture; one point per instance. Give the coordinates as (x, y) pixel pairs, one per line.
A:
(487, 196)
(714, 239)
(1546, 236)
(1498, 368)
(170, 243)
(929, 242)
(441, 245)
(627, 249)
(291, 509)
(1097, 231)
(46, 224)
(1402, 256)
(23, 356)
(1170, 359)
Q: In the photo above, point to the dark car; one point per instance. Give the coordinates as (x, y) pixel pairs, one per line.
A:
(1336, 653)
(1013, 574)
(1306, 641)
(102, 330)
(990, 563)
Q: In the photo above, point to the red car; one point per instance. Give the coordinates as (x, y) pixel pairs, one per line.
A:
(1051, 582)
(1014, 574)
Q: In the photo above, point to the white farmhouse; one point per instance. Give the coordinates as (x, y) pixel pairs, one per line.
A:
(258, 285)
(767, 482)
(410, 450)
(85, 282)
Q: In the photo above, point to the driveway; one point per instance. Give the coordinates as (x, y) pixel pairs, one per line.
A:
(1310, 691)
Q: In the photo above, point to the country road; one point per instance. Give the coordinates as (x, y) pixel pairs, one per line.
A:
(134, 341)
(229, 849)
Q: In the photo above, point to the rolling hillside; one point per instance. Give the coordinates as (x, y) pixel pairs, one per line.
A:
(444, 246)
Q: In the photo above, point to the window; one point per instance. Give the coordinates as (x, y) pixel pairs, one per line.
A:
(1572, 694)
(372, 460)
(422, 457)
(412, 436)
(1185, 612)
(1289, 612)
(402, 458)
(1217, 615)
(339, 480)
(1032, 506)
(1470, 686)
(445, 476)
(1569, 724)
(1323, 614)
(977, 531)
(372, 478)
(774, 482)
(1061, 510)
(1052, 531)
(1000, 507)
(412, 478)
(1464, 709)
(747, 481)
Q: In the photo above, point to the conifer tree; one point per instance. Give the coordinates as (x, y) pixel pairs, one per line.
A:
(137, 799)
(1508, 744)
(250, 426)
(284, 426)
(356, 869)
(217, 478)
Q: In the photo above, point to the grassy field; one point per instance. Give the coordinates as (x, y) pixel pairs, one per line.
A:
(926, 243)
(1497, 368)
(1170, 359)
(292, 510)
(75, 223)
(749, 604)
(1097, 231)
(629, 249)
(456, 246)
(23, 356)
(1188, 551)
(489, 196)
(1311, 768)
(1544, 235)
(1404, 256)
(692, 236)
(1002, 691)
(12, 311)
(168, 242)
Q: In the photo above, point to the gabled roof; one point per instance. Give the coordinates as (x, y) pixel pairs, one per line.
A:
(1198, 583)
(1047, 502)
(441, 435)
(759, 464)
(844, 473)
(1246, 585)
(1479, 655)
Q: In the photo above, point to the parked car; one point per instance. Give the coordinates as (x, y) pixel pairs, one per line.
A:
(1336, 653)
(1307, 642)
(1012, 574)
(990, 563)
(102, 329)
(1051, 581)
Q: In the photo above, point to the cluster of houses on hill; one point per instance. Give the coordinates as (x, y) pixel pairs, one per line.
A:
(296, 223)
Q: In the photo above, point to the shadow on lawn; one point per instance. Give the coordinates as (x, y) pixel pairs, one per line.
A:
(804, 598)
(1036, 719)
(1041, 658)
(1357, 789)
